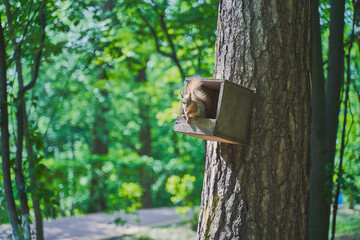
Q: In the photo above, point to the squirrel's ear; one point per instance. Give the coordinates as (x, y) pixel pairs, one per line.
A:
(182, 96)
(190, 95)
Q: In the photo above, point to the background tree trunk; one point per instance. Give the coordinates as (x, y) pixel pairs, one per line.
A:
(99, 146)
(318, 222)
(260, 191)
(334, 83)
(5, 147)
(20, 117)
(35, 196)
(19, 173)
(145, 139)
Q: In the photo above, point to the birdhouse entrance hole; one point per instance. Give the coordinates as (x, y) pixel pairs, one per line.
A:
(229, 118)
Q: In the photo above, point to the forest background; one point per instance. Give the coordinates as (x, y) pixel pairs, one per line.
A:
(99, 94)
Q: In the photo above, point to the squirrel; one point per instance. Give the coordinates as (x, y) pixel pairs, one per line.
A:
(196, 102)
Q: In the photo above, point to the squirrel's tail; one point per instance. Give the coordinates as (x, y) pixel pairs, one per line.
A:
(194, 87)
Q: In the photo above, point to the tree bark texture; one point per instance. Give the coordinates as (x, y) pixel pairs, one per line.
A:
(260, 190)
(318, 222)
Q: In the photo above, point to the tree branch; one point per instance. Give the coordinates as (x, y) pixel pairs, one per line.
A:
(7, 5)
(38, 57)
(17, 51)
(154, 34)
(171, 43)
(161, 16)
(28, 21)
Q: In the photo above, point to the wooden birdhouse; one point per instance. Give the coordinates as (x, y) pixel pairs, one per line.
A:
(230, 117)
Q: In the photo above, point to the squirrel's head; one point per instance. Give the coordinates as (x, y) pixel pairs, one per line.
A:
(186, 100)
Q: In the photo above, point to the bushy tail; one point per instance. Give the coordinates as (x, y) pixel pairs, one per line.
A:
(197, 93)
(202, 94)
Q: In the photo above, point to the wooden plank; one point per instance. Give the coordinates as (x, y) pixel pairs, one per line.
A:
(212, 138)
(202, 126)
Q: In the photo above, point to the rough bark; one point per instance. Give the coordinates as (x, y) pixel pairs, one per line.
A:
(5, 147)
(334, 83)
(145, 139)
(260, 191)
(318, 222)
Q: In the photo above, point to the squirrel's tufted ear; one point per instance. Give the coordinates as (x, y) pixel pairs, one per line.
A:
(182, 96)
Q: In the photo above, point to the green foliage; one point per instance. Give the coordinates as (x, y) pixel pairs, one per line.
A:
(131, 194)
(85, 40)
(180, 188)
(120, 221)
(3, 217)
(348, 224)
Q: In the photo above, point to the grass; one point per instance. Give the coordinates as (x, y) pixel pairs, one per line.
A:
(176, 232)
(348, 224)
(347, 228)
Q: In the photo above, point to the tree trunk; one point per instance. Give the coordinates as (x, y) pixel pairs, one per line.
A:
(260, 190)
(5, 147)
(145, 139)
(145, 136)
(19, 175)
(318, 222)
(20, 111)
(100, 146)
(35, 196)
(340, 172)
(334, 83)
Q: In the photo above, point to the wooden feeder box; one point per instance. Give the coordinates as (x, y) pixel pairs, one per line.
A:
(231, 118)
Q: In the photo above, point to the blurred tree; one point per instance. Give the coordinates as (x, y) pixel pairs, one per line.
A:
(5, 138)
(99, 147)
(335, 81)
(145, 139)
(25, 23)
(20, 105)
(318, 227)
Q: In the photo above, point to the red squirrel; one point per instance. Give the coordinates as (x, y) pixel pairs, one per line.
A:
(196, 102)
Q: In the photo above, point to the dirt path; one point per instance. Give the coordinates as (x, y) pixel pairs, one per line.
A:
(101, 225)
